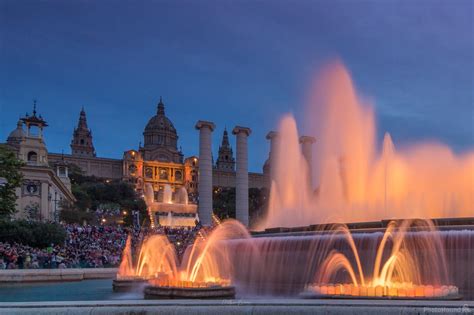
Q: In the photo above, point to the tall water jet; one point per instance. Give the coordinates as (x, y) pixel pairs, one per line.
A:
(167, 194)
(182, 196)
(356, 181)
(291, 198)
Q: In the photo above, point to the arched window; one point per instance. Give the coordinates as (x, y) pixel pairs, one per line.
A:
(32, 156)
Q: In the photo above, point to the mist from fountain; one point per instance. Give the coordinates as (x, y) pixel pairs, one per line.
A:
(356, 182)
(167, 194)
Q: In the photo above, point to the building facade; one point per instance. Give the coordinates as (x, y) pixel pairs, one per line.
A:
(44, 185)
(158, 161)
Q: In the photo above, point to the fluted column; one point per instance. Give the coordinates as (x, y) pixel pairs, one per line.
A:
(205, 171)
(242, 175)
(273, 137)
(307, 150)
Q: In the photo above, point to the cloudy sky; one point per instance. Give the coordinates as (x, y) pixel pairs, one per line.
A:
(234, 62)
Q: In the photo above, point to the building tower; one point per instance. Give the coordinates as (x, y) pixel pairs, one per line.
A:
(225, 160)
(31, 146)
(81, 144)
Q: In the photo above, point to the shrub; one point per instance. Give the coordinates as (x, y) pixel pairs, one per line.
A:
(35, 234)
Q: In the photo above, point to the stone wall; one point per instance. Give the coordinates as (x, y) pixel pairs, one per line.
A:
(92, 166)
(227, 179)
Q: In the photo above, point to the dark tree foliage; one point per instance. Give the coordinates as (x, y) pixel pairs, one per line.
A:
(71, 213)
(92, 192)
(32, 233)
(258, 203)
(224, 203)
(10, 170)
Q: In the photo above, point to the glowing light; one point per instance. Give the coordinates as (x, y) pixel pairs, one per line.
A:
(356, 180)
(399, 275)
(205, 263)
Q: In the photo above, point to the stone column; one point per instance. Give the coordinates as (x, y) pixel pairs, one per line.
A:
(242, 175)
(273, 137)
(205, 171)
(307, 150)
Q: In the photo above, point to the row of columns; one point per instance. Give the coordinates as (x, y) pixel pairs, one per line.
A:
(205, 173)
(242, 177)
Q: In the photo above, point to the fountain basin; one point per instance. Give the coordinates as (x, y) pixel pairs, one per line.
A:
(171, 292)
(398, 292)
(126, 285)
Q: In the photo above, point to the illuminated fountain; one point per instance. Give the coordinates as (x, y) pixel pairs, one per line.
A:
(204, 272)
(168, 212)
(358, 183)
(414, 266)
(355, 181)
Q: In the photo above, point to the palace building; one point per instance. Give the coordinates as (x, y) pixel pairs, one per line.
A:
(158, 161)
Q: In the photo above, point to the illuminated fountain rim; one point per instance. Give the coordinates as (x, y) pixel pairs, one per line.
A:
(396, 292)
(125, 284)
(189, 290)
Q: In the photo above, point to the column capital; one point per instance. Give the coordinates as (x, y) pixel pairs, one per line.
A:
(202, 123)
(272, 134)
(239, 129)
(307, 139)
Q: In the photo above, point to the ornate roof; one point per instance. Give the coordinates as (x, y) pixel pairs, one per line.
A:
(34, 120)
(160, 123)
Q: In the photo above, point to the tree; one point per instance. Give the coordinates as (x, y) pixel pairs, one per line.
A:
(10, 170)
(223, 202)
(71, 213)
(35, 234)
(258, 204)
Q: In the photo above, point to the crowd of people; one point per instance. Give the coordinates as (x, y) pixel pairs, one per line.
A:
(88, 247)
(180, 237)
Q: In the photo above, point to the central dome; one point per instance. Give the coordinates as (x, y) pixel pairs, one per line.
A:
(160, 122)
(161, 138)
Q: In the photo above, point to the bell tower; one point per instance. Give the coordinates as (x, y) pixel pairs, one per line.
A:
(81, 143)
(225, 160)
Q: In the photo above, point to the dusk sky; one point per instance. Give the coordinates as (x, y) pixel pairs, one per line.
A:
(234, 63)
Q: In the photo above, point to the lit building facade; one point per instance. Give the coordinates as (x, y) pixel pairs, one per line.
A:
(159, 161)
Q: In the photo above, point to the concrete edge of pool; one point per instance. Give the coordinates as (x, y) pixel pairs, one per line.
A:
(244, 306)
(55, 275)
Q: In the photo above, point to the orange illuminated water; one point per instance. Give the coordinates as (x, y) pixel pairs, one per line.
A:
(355, 180)
(398, 266)
(206, 262)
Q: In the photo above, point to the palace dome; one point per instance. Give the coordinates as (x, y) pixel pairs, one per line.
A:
(160, 123)
(17, 134)
(161, 138)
